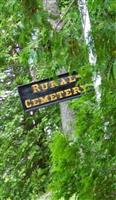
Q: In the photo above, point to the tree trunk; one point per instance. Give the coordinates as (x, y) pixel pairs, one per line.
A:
(67, 115)
(90, 43)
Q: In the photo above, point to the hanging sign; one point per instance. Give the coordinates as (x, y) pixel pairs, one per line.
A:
(48, 91)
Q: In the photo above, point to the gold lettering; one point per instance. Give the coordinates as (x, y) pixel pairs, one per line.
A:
(68, 92)
(71, 79)
(44, 86)
(44, 99)
(76, 90)
(35, 88)
(52, 84)
(35, 102)
(63, 81)
(60, 94)
(28, 103)
(53, 97)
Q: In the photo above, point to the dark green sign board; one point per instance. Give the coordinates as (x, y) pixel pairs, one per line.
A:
(48, 91)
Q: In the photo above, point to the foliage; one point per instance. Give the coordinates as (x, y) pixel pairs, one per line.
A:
(24, 153)
(86, 166)
(33, 152)
(92, 161)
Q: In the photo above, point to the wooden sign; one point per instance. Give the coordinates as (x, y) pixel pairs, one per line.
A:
(46, 92)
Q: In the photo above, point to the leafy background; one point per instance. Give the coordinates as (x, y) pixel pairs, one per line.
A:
(35, 156)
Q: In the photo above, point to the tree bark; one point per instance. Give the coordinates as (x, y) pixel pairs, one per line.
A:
(67, 115)
(90, 43)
